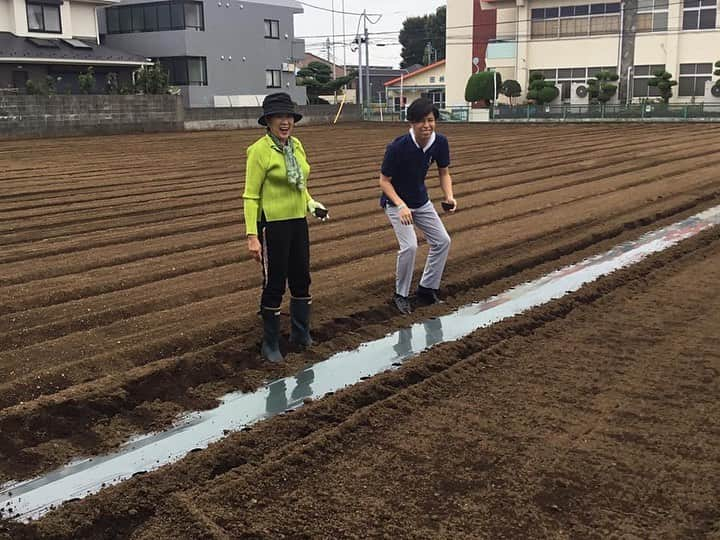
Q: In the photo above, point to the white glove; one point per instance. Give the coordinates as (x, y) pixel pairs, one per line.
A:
(318, 210)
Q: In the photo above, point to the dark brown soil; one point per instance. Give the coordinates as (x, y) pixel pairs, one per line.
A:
(125, 294)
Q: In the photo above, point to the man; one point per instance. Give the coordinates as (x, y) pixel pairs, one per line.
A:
(406, 202)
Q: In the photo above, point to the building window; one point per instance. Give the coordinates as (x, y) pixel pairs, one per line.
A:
(699, 14)
(272, 29)
(693, 78)
(432, 80)
(442, 78)
(641, 76)
(272, 78)
(397, 107)
(652, 16)
(44, 18)
(186, 70)
(155, 17)
(437, 97)
(569, 21)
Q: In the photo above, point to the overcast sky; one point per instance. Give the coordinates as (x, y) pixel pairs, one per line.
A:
(315, 25)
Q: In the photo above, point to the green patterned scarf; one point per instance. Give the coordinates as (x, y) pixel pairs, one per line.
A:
(294, 172)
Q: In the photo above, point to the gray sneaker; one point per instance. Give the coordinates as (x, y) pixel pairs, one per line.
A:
(402, 303)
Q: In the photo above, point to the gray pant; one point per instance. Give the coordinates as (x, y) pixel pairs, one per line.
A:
(428, 221)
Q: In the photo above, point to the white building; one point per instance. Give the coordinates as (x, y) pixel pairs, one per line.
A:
(58, 39)
(569, 41)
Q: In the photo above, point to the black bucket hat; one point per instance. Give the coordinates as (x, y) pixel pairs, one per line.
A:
(279, 103)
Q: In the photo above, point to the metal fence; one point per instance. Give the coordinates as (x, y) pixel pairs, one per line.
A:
(570, 113)
(636, 111)
(451, 114)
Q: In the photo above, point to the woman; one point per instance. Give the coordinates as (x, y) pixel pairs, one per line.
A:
(276, 201)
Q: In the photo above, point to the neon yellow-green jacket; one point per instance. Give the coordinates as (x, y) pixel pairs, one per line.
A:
(267, 189)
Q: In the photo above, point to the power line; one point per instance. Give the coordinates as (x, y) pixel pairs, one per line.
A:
(509, 21)
(336, 11)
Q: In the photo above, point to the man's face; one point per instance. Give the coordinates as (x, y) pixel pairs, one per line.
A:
(424, 129)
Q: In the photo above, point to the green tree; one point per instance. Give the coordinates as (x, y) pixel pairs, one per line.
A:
(541, 91)
(152, 79)
(317, 78)
(662, 80)
(417, 32)
(480, 87)
(35, 89)
(602, 87)
(511, 89)
(87, 81)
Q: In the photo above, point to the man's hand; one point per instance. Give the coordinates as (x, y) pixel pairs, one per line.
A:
(449, 204)
(254, 248)
(318, 210)
(406, 217)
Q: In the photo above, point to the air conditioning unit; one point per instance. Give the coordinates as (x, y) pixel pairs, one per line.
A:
(712, 92)
(579, 94)
(558, 99)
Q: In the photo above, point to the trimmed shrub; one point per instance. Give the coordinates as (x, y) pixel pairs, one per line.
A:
(480, 86)
(662, 80)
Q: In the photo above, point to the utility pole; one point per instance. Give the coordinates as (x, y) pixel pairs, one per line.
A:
(367, 61)
(333, 40)
(360, 73)
(344, 45)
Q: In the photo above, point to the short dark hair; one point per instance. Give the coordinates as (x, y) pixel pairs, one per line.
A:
(420, 108)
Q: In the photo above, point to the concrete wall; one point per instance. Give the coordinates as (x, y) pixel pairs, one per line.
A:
(63, 116)
(246, 117)
(60, 116)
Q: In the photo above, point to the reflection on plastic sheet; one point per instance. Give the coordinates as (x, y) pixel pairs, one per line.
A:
(31, 499)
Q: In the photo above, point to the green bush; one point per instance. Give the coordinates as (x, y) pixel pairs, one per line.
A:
(601, 89)
(51, 88)
(35, 89)
(541, 91)
(480, 86)
(152, 79)
(511, 89)
(662, 80)
(87, 81)
(112, 84)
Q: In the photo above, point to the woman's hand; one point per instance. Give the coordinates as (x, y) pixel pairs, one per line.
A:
(254, 248)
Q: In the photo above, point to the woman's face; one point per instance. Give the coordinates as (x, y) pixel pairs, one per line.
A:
(281, 125)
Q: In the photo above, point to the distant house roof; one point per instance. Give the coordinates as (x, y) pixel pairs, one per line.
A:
(310, 57)
(62, 51)
(416, 72)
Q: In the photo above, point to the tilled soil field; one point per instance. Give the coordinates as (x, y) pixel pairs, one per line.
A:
(127, 297)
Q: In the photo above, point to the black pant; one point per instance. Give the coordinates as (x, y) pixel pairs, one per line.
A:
(286, 258)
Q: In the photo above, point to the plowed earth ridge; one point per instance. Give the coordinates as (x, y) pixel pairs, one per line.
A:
(127, 296)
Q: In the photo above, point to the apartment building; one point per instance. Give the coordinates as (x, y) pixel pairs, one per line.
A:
(220, 53)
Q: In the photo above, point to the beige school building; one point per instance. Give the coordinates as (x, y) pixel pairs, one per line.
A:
(569, 41)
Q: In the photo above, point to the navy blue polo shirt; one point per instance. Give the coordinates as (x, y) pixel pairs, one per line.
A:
(407, 166)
